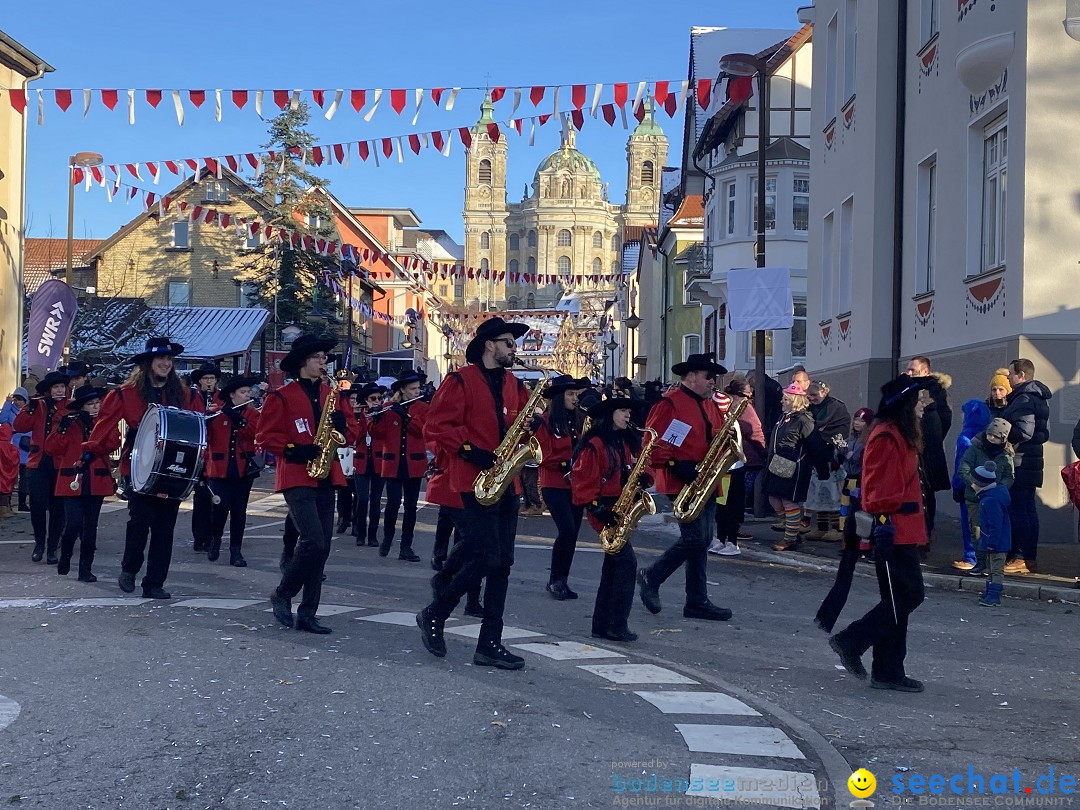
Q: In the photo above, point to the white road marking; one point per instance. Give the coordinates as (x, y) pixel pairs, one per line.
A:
(395, 617)
(698, 703)
(26, 603)
(473, 631)
(106, 601)
(9, 710)
(567, 650)
(757, 741)
(761, 786)
(580, 548)
(218, 604)
(635, 673)
(327, 610)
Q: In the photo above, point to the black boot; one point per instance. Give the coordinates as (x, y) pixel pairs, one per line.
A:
(407, 554)
(490, 653)
(199, 546)
(558, 590)
(431, 632)
(236, 558)
(214, 551)
(384, 546)
(50, 553)
(39, 552)
(343, 525)
(86, 561)
(63, 565)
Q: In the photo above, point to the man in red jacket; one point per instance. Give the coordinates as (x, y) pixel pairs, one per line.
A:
(287, 428)
(686, 419)
(470, 414)
(40, 418)
(153, 380)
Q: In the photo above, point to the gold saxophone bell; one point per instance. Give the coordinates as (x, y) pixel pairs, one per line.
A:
(632, 505)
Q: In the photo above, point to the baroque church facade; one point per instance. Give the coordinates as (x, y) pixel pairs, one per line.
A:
(564, 224)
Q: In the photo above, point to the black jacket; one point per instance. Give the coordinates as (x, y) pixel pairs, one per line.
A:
(1028, 411)
(936, 423)
(831, 418)
(796, 438)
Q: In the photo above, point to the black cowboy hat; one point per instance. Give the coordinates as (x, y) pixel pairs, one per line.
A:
(407, 377)
(489, 330)
(367, 389)
(84, 394)
(302, 348)
(235, 383)
(564, 382)
(903, 385)
(51, 379)
(77, 369)
(606, 407)
(205, 370)
(158, 347)
(698, 362)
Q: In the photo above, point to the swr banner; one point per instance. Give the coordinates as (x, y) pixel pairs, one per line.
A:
(52, 313)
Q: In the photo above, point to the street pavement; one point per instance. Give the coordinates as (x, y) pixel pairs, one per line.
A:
(110, 701)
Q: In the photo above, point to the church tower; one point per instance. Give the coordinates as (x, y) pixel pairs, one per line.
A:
(485, 215)
(646, 156)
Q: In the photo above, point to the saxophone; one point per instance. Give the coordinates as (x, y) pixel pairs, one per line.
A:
(725, 450)
(327, 439)
(631, 504)
(490, 484)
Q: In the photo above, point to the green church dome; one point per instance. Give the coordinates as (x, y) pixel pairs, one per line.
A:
(568, 158)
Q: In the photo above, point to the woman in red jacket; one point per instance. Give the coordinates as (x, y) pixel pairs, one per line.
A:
(557, 431)
(82, 504)
(892, 493)
(602, 462)
(230, 471)
(367, 486)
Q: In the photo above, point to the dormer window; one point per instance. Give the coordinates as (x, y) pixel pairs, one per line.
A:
(215, 191)
(180, 237)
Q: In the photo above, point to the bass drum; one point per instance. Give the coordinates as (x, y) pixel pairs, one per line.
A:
(167, 456)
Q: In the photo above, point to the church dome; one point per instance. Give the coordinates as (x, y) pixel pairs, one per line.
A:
(569, 158)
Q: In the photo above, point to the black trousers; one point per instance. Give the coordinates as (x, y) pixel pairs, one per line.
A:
(202, 515)
(289, 537)
(729, 516)
(24, 488)
(153, 517)
(312, 512)
(375, 490)
(364, 508)
(444, 528)
(398, 489)
(449, 522)
(879, 628)
(345, 504)
(691, 550)
(234, 493)
(81, 522)
(487, 550)
(615, 596)
(46, 510)
(567, 519)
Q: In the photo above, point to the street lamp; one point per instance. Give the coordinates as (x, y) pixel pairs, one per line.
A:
(82, 160)
(743, 65)
(611, 346)
(290, 333)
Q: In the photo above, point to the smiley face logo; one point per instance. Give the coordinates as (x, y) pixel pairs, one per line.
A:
(861, 783)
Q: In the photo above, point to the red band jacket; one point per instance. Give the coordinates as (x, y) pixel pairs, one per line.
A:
(232, 433)
(65, 445)
(438, 489)
(685, 424)
(463, 410)
(39, 418)
(890, 479)
(557, 450)
(598, 474)
(289, 417)
(126, 404)
(400, 432)
(363, 457)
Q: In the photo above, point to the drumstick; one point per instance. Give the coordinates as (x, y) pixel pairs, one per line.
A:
(214, 497)
(74, 485)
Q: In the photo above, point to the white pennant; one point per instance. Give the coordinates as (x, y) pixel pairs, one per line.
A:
(294, 101)
(85, 103)
(419, 100)
(375, 148)
(400, 156)
(157, 173)
(682, 94)
(555, 98)
(258, 102)
(87, 179)
(597, 90)
(40, 109)
(131, 106)
(179, 107)
(517, 99)
(452, 98)
(346, 162)
(217, 105)
(333, 105)
(374, 105)
(622, 113)
(446, 144)
(258, 167)
(424, 140)
(532, 132)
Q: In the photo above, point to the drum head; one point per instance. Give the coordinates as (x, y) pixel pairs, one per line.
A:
(143, 451)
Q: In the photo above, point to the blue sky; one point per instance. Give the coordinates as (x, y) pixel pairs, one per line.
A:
(270, 45)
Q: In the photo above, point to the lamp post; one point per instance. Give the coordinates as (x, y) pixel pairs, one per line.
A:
(82, 160)
(611, 346)
(744, 65)
(632, 323)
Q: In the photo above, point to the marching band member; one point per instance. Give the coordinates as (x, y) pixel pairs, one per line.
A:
(440, 492)
(686, 420)
(557, 431)
(153, 380)
(471, 413)
(365, 478)
(89, 474)
(400, 430)
(602, 463)
(229, 470)
(40, 418)
(204, 391)
(78, 374)
(287, 428)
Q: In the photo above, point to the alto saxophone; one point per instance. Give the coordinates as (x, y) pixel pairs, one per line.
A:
(491, 483)
(632, 504)
(327, 439)
(725, 450)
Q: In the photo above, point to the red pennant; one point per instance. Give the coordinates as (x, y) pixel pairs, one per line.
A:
(109, 98)
(152, 169)
(192, 164)
(536, 95)
(518, 124)
(466, 137)
(318, 96)
(309, 242)
(281, 98)
(493, 132)
(577, 95)
(357, 98)
(77, 176)
(18, 100)
(252, 160)
(497, 93)
(436, 95)
(397, 101)
(132, 169)
(209, 216)
(240, 98)
(414, 143)
(543, 119)
(437, 140)
(671, 104)
(226, 220)
(211, 165)
(639, 112)
(609, 114)
(661, 93)
(703, 89)
(621, 91)
(234, 165)
(172, 167)
(63, 99)
(317, 155)
(196, 212)
(150, 197)
(362, 148)
(578, 117)
(740, 89)
(339, 152)
(387, 146)
(197, 97)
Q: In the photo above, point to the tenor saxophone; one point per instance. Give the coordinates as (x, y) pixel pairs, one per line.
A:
(632, 504)
(491, 483)
(725, 450)
(327, 439)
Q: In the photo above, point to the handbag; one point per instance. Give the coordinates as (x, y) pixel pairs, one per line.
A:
(864, 524)
(781, 466)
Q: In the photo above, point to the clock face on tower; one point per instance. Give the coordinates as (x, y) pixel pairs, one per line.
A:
(483, 192)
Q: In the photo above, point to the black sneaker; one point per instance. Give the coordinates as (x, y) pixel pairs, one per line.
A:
(707, 611)
(282, 609)
(558, 590)
(126, 582)
(615, 635)
(978, 571)
(431, 632)
(384, 547)
(156, 593)
(851, 662)
(905, 684)
(650, 596)
(408, 555)
(494, 654)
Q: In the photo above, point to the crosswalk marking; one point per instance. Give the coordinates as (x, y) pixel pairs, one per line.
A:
(9, 710)
(394, 617)
(218, 604)
(697, 703)
(758, 741)
(473, 631)
(106, 601)
(635, 673)
(567, 650)
(327, 610)
(762, 786)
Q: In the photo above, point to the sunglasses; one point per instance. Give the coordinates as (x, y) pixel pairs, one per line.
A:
(507, 342)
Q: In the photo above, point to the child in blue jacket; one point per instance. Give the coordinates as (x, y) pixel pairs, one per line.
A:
(976, 418)
(995, 529)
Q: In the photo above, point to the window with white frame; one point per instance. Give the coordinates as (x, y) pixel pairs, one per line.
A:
(216, 191)
(252, 241)
(597, 240)
(564, 238)
(459, 291)
(691, 344)
(515, 265)
(828, 266)
(181, 234)
(564, 265)
(831, 49)
(927, 226)
(531, 239)
(485, 240)
(514, 242)
(929, 19)
(729, 211)
(843, 278)
(851, 14)
(798, 329)
(444, 290)
(800, 204)
(770, 205)
(995, 171)
(179, 293)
